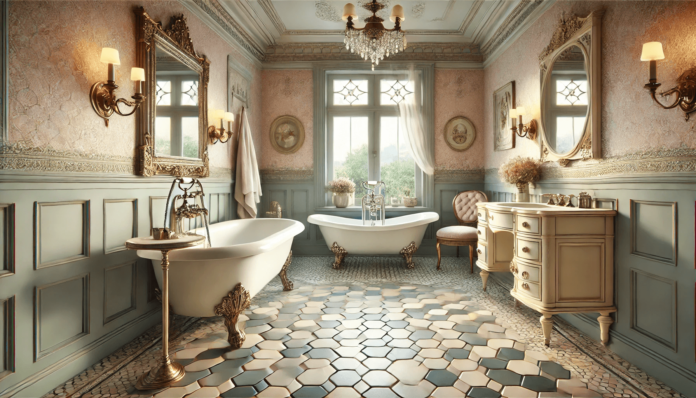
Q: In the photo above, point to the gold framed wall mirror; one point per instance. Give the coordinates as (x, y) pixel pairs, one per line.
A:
(571, 91)
(172, 123)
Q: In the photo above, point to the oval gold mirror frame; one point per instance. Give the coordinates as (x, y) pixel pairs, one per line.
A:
(584, 33)
(176, 41)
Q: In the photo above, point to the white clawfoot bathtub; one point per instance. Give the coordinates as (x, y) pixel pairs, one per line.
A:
(250, 252)
(394, 237)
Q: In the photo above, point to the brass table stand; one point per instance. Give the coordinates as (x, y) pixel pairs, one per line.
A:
(167, 372)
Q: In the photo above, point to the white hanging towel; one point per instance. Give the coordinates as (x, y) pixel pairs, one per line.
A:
(247, 183)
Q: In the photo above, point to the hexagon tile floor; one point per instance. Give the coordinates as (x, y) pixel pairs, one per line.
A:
(376, 338)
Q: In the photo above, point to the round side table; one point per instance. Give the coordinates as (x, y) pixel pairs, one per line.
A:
(167, 372)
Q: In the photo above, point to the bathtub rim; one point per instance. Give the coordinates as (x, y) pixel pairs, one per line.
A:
(198, 253)
(327, 220)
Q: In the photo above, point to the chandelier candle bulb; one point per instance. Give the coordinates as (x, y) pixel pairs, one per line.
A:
(349, 11)
(397, 12)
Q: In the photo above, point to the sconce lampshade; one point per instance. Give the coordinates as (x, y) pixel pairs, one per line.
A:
(110, 56)
(228, 116)
(521, 111)
(349, 11)
(138, 74)
(218, 114)
(513, 113)
(397, 12)
(652, 51)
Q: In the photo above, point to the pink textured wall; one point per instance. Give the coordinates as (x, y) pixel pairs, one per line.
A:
(54, 59)
(458, 93)
(287, 92)
(631, 122)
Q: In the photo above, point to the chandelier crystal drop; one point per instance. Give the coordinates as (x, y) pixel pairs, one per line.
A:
(374, 42)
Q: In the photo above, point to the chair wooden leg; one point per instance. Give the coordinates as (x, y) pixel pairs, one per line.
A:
(438, 255)
(457, 251)
(471, 257)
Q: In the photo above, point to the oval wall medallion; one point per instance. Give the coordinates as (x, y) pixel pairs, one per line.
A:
(287, 134)
(460, 133)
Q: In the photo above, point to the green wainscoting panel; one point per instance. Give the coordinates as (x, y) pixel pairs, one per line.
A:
(87, 297)
(653, 265)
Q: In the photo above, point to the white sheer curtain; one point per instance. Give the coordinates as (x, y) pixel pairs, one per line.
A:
(412, 123)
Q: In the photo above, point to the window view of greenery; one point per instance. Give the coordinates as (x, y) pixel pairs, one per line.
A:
(397, 167)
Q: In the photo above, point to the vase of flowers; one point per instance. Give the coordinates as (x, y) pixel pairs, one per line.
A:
(341, 188)
(408, 200)
(521, 172)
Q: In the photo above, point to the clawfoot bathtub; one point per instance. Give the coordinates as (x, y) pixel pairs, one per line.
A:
(221, 280)
(399, 235)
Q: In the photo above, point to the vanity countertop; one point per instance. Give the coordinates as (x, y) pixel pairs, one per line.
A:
(541, 208)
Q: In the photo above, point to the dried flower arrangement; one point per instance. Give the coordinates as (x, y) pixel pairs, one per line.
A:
(341, 185)
(520, 170)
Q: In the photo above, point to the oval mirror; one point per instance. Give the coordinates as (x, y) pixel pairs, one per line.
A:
(566, 100)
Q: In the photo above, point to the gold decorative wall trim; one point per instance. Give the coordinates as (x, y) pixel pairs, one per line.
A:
(22, 156)
(272, 175)
(458, 52)
(457, 176)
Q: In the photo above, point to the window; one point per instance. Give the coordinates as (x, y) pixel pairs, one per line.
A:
(364, 138)
(176, 123)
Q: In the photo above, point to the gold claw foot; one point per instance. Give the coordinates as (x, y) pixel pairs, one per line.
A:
(408, 252)
(340, 254)
(287, 285)
(232, 305)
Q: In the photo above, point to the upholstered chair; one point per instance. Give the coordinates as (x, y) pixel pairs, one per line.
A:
(464, 234)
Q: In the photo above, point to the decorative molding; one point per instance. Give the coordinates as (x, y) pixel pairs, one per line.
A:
(133, 287)
(38, 233)
(513, 21)
(4, 67)
(438, 52)
(134, 221)
(271, 13)
(418, 9)
(326, 12)
(22, 156)
(280, 175)
(7, 265)
(459, 176)
(221, 172)
(634, 308)
(7, 340)
(641, 252)
(41, 352)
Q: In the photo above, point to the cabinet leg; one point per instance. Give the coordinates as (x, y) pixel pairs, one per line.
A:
(439, 257)
(484, 279)
(517, 303)
(546, 327)
(471, 258)
(604, 322)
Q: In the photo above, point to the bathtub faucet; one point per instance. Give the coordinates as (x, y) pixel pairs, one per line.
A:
(190, 207)
(373, 204)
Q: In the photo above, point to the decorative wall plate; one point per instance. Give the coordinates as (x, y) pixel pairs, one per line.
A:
(287, 134)
(460, 133)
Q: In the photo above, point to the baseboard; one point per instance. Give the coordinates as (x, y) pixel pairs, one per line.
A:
(62, 369)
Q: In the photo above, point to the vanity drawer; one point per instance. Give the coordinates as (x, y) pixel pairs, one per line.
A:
(530, 289)
(482, 215)
(528, 249)
(481, 232)
(529, 225)
(481, 252)
(528, 273)
(500, 220)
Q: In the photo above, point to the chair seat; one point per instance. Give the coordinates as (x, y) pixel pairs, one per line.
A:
(459, 232)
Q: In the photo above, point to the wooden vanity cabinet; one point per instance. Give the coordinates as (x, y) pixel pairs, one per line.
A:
(562, 259)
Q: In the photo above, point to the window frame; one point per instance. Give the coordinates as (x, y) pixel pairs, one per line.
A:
(325, 110)
(175, 111)
(555, 110)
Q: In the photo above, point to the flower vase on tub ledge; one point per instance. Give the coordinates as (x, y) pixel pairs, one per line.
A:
(341, 188)
(521, 172)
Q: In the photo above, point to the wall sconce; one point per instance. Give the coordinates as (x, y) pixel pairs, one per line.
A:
(103, 94)
(528, 130)
(220, 134)
(685, 91)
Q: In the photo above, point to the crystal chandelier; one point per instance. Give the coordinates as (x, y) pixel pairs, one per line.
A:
(374, 41)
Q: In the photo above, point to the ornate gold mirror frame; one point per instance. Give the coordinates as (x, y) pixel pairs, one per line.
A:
(584, 33)
(174, 40)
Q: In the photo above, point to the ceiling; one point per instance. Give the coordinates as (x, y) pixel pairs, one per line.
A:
(274, 22)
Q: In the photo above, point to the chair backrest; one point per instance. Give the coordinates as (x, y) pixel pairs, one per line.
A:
(464, 205)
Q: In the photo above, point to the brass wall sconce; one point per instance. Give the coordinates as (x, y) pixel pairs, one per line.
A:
(528, 130)
(219, 134)
(685, 91)
(103, 94)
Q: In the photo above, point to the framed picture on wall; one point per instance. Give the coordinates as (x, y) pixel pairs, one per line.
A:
(503, 101)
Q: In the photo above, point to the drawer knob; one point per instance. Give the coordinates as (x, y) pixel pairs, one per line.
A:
(479, 232)
(525, 286)
(479, 251)
(525, 275)
(525, 250)
(479, 215)
(491, 216)
(513, 268)
(525, 224)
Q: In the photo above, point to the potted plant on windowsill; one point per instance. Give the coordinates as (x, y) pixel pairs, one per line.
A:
(521, 172)
(341, 188)
(408, 200)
